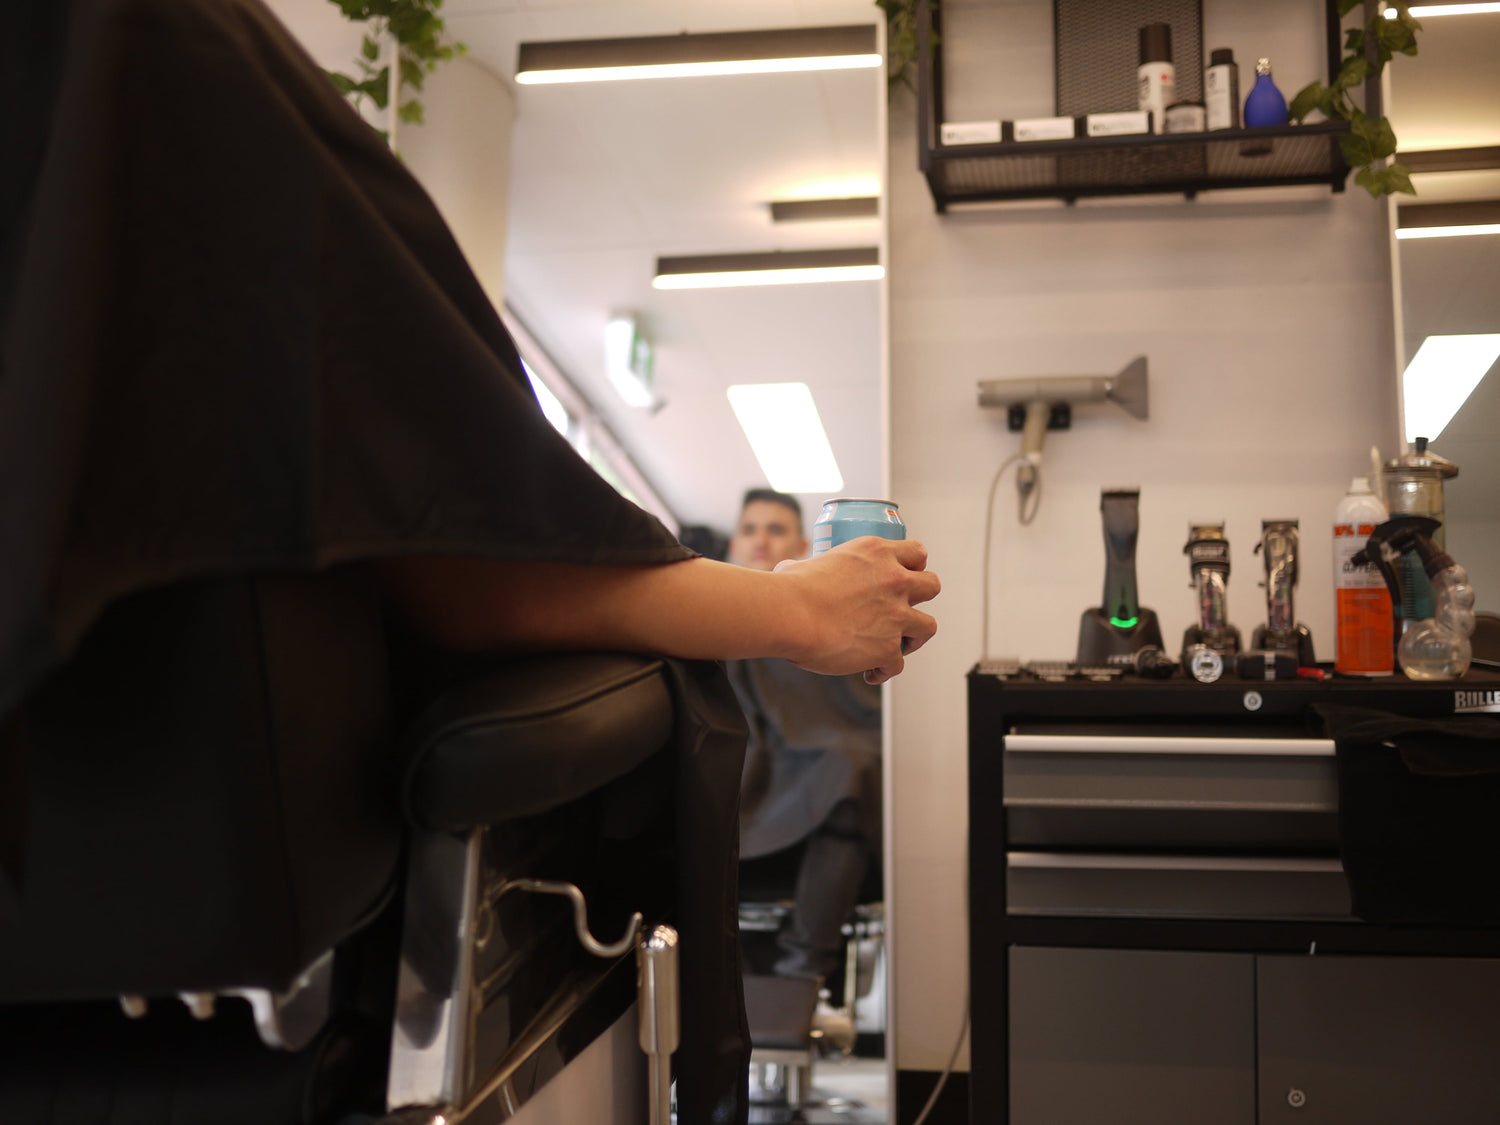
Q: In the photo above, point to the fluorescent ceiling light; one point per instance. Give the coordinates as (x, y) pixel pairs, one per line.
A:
(835, 189)
(1440, 378)
(1422, 11)
(824, 210)
(781, 421)
(776, 51)
(1447, 220)
(792, 267)
(1447, 232)
(1470, 158)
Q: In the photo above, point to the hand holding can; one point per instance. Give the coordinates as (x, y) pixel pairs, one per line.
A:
(850, 517)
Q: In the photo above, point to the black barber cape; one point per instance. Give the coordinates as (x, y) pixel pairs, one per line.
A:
(236, 335)
(814, 742)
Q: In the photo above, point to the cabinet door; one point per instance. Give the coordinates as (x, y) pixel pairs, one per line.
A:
(1378, 1040)
(1117, 1037)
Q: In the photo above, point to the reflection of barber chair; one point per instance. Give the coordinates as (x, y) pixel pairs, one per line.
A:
(243, 900)
(789, 1028)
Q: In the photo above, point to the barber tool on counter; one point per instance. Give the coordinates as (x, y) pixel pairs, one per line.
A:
(1436, 648)
(1413, 486)
(1362, 605)
(1121, 624)
(1208, 554)
(1282, 632)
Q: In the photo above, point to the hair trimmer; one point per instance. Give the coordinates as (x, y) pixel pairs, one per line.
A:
(1208, 552)
(1120, 625)
(1278, 548)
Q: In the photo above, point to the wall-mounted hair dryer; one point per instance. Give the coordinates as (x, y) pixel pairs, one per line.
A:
(1041, 403)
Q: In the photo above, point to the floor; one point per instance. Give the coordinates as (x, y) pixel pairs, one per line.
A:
(845, 1091)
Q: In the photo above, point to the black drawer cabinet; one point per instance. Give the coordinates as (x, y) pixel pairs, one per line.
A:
(1160, 926)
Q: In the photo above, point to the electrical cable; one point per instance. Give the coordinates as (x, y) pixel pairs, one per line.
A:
(963, 1028)
(989, 524)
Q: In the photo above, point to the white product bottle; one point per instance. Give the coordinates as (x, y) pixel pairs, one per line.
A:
(1362, 604)
(1156, 77)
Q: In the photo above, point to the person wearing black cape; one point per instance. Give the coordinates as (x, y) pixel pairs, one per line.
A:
(236, 336)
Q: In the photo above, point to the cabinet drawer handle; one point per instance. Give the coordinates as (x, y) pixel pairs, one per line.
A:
(1065, 861)
(1140, 744)
(1154, 804)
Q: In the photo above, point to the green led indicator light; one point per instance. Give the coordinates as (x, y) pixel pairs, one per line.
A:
(1123, 622)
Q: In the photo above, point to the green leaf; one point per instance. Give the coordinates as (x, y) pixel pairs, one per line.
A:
(369, 49)
(1399, 176)
(1309, 98)
(1383, 144)
(1370, 179)
(378, 86)
(1347, 6)
(1385, 181)
(1353, 73)
(1356, 149)
(343, 82)
(1395, 35)
(410, 112)
(412, 73)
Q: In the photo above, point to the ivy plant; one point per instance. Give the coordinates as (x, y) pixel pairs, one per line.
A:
(1368, 48)
(901, 40)
(421, 46)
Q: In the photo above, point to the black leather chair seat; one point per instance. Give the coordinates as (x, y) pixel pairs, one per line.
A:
(528, 735)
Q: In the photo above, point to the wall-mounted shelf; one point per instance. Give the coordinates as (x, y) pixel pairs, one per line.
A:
(1124, 165)
(1132, 165)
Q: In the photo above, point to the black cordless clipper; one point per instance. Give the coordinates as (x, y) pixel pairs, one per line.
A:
(1120, 625)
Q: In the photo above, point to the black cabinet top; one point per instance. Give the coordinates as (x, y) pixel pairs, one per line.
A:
(1250, 702)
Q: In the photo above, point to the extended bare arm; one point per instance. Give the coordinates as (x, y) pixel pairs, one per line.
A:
(844, 611)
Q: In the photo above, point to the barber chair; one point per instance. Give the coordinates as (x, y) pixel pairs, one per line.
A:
(245, 899)
(789, 1028)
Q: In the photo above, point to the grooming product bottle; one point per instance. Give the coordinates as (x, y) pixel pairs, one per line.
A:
(1437, 648)
(1414, 487)
(1362, 604)
(1265, 105)
(1221, 89)
(1156, 77)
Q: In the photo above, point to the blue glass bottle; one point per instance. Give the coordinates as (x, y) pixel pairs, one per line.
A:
(1264, 105)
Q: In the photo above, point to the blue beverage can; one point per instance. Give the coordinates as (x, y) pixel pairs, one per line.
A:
(849, 517)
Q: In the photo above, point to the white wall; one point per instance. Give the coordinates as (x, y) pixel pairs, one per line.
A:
(1265, 317)
(461, 154)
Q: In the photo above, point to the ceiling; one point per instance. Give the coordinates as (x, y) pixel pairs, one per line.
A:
(608, 176)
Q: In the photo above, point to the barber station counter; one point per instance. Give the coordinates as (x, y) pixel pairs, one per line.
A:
(1161, 923)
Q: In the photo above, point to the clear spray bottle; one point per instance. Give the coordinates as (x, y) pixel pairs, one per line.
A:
(1437, 648)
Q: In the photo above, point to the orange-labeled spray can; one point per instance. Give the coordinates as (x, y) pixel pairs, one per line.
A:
(1362, 604)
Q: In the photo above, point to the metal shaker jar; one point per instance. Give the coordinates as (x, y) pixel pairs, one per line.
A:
(1414, 484)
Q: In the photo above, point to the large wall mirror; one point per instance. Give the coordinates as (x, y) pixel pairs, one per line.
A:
(609, 177)
(1443, 105)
